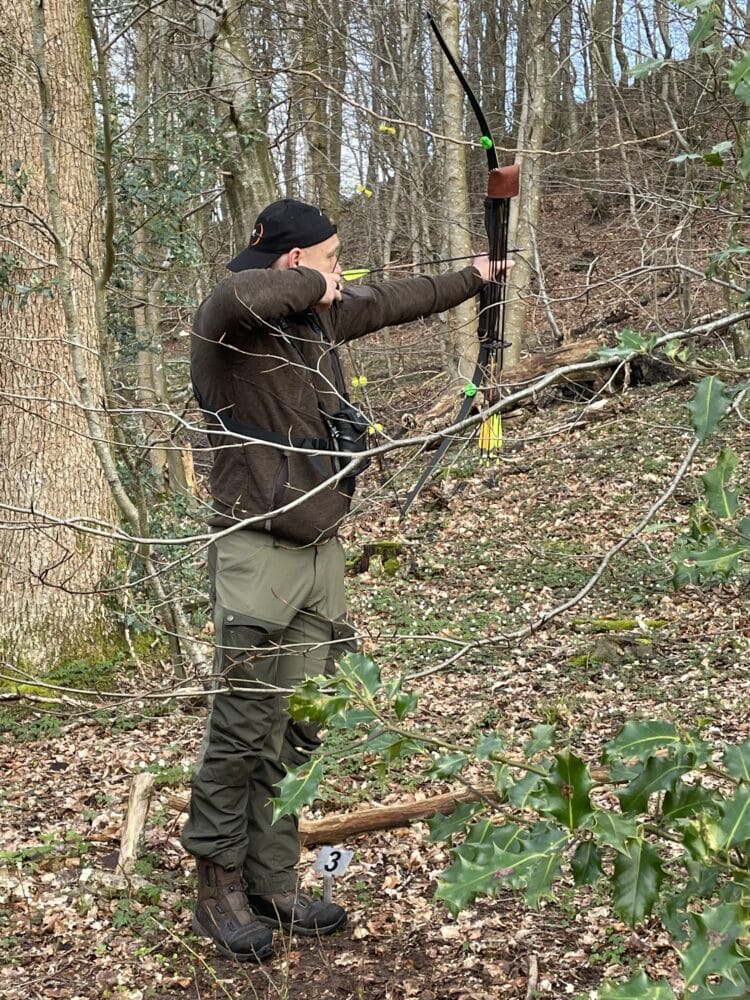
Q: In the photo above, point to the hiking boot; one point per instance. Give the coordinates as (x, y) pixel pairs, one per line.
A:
(222, 913)
(297, 913)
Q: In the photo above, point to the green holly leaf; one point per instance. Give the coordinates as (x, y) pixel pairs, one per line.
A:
(311, 701)
(743, 167)
(640, 987)
(464, 880)
(713, 948)
(537, 861)
(702, 29)
(586, 863)
(716, 157)
(723, 502)
(404, 702)
(659, 774)
(612, 829)
(507, 836)
(717, 560)
(502, 779)
(391, 746)
(487, 746)
(636, 880)
(448, 765)
(702, 838)
(725, 990)
(735, 819)
(708, 406)
(640, 739)
(298, 788)
(737, 760)
(541, 875)
(629, 342)
(564, 793)
(646, 68)
(542, 738)
(361, 672)
(738, 78)
(444, 828)
(521, 792)
(683, 801)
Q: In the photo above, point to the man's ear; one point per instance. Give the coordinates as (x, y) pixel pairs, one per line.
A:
(293, 257)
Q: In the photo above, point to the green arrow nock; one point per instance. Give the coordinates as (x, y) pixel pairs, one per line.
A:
(486, 143)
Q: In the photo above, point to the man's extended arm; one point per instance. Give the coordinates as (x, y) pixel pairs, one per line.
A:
(366, 308)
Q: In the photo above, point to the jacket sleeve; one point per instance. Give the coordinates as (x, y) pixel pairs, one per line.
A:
(253, 299)
(367, 308)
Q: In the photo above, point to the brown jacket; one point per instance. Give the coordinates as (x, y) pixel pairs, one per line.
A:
(266, 363)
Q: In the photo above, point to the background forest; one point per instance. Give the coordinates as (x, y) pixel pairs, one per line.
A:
(592, 581)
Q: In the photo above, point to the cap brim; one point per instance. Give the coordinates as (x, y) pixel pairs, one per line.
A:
(251, 257)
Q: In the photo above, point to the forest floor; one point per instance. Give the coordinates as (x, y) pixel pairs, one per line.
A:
(484, 551)
(512, 543)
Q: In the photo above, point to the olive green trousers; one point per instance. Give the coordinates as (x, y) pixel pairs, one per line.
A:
(278, 617)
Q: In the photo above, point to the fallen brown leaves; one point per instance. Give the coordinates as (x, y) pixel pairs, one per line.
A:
(481, 562)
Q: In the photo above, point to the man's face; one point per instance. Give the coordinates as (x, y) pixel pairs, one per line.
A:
(323, 257)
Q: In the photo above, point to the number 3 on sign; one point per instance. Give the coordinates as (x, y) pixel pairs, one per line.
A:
(332, 861)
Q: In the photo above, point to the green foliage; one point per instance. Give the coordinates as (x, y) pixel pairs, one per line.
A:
(629, 342)
(738, 78)
(669, 841)
(640, 987)
(708, 406)
(717, 541)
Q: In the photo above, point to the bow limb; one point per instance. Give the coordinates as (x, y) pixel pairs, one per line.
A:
(502, 185)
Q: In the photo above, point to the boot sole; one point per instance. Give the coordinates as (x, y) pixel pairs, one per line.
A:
(256, 955)
(294, 928)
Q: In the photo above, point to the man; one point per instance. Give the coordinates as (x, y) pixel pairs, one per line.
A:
(267, 376)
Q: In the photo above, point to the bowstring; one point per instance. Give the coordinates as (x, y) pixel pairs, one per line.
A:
(497, 214)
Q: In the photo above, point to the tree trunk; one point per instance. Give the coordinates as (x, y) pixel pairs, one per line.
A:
(457, 235)
(241, 104)
(526, 207)
(50, 378)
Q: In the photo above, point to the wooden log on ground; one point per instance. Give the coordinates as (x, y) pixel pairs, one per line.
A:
(533, 366)
(341, 826)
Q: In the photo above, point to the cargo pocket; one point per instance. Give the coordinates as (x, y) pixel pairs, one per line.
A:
(343, 640)
(248, 651)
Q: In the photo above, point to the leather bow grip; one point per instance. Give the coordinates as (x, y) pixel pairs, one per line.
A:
(502, 182)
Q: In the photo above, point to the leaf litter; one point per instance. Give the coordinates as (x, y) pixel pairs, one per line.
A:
(482, 561)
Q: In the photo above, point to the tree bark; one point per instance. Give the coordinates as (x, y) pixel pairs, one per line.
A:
(457, 235)
(526, 207)
(241, 103)
(51, 386)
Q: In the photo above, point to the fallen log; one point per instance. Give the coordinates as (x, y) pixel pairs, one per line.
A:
(341, 826)
(533, 366)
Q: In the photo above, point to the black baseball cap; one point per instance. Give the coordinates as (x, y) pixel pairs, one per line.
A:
(281, 227)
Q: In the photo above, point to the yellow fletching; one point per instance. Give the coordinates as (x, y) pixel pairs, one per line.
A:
(490, 440)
